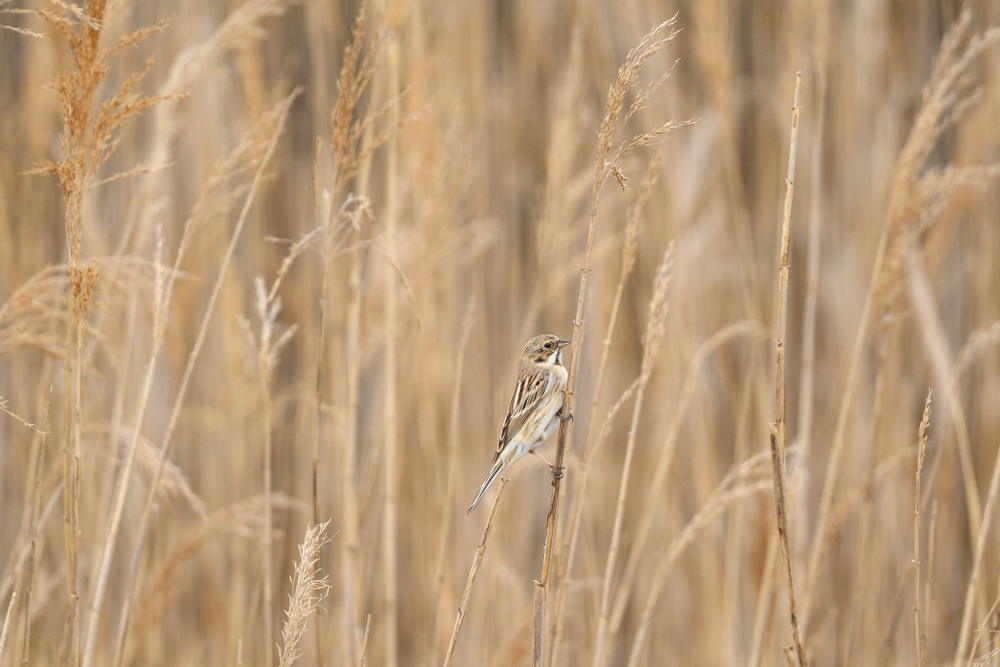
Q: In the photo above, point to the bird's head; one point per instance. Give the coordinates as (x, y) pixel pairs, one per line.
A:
(545, 350)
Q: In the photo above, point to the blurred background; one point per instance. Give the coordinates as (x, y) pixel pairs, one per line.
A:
(417, 258)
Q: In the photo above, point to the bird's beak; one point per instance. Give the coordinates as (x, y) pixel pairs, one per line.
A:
(562, 343)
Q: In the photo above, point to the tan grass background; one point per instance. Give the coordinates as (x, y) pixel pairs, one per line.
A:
(426, 247)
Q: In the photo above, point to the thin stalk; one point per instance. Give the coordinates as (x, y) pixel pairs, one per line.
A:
(477, 560)
(6, 623)
(350, 545)
(921, 452)
(318, 395)
(33, 549)
(364, 643)
(389, 525)
(268, 567)
(778, 427)
(69, 476)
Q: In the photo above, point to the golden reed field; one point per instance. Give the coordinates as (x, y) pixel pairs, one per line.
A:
(267, 268)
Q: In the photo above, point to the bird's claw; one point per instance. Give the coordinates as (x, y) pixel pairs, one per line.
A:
(565, 419)
(557, 473)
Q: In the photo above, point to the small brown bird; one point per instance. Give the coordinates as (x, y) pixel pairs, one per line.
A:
(534, 410)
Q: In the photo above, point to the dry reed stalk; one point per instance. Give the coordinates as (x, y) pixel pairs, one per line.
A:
(87, 142)
(651, 339)
(320, 388)
(658, 480)
(914, 202)
(351, 579)
(778, 427)
(452, 463)
(925, 421)
(307, 593)
(611, 148)
(29, 582)
(931, 534)
(477, 560)
(391, 454)
(264, 135)
(364, 643)
(568, 550)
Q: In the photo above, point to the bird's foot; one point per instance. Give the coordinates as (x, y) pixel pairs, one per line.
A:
(547, 462)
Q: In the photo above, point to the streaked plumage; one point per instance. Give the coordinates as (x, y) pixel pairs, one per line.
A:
(534, 408)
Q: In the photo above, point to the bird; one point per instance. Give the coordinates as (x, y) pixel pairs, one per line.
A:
(535, 408)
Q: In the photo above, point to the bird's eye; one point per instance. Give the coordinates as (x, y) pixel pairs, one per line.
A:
(548, 345)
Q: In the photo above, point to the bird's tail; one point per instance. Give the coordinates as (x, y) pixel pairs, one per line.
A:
(494, 473)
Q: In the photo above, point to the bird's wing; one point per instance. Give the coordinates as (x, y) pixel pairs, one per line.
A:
(531, 389)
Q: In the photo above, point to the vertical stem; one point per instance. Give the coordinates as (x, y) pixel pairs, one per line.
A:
(265, 393)
(350, 556)
(33, 550)
(6, 622)
(391, 323)
(921, 451)
(576, 507)
(69, 473)
(348, 465)
(778, 427)
(320, 363)
(565, 563)
(567, 409)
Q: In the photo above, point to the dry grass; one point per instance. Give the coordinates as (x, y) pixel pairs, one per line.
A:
(230, 311)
